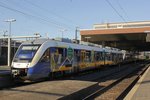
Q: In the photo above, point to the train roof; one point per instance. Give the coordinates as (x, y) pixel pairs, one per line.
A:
(35, 41)
(81, 45)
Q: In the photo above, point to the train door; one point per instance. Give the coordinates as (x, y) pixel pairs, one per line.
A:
(97, 58)
(76, 57)
(82, 56)
(58, 58)
(101, 58)
(82, 59)
(92, 56)
(113, 58)
(104, 57)
(44, 63)
(54, 58)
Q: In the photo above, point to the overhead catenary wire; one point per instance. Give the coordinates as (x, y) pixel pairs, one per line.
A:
(116, 11)
(30, 15)
(68, 23)
(51, 12)
(62, 24)
(123, 10)
(18, 5)
(119, 14)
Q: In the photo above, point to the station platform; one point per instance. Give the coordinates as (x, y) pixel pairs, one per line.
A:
(50, 90)
(141, 91)
(5, 70)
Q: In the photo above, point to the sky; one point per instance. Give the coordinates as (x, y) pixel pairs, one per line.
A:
(54, 17)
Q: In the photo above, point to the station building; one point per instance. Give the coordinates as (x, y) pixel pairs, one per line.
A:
(134, 36)
(3, 50)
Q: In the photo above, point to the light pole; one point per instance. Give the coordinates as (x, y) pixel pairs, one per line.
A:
(63, 30)
(9, 41)
(76, 33)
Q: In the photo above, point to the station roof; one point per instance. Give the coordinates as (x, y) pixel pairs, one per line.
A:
(129, 36)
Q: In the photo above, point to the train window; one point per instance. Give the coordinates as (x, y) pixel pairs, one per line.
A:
(113, 55)
(102, 56)
(62, 52)
(88, 56)
(98, 56)
(26, 52)
(46, 56)
(108, 56)
(95, 56)
(58, 55)
(77, 55)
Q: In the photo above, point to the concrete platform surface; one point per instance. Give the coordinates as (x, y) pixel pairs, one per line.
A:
(4, 67)
(50, 90)
(5, 70)
(141, 91)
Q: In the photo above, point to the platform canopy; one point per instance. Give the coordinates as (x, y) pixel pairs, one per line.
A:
(128, 36)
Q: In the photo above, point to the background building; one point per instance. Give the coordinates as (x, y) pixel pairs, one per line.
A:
(134, 36)
(3, 50)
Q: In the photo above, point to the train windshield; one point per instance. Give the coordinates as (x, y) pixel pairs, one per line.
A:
(26, 53)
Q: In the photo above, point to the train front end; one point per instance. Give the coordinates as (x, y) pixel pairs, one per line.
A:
(22, 60)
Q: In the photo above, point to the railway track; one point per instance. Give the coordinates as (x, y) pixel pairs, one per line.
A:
(117, 89)
(113, 86)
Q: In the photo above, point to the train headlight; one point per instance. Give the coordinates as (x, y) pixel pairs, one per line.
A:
(15, 72)
(25, 70)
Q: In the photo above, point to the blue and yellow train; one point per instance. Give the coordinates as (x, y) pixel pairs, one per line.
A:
(39, 58)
